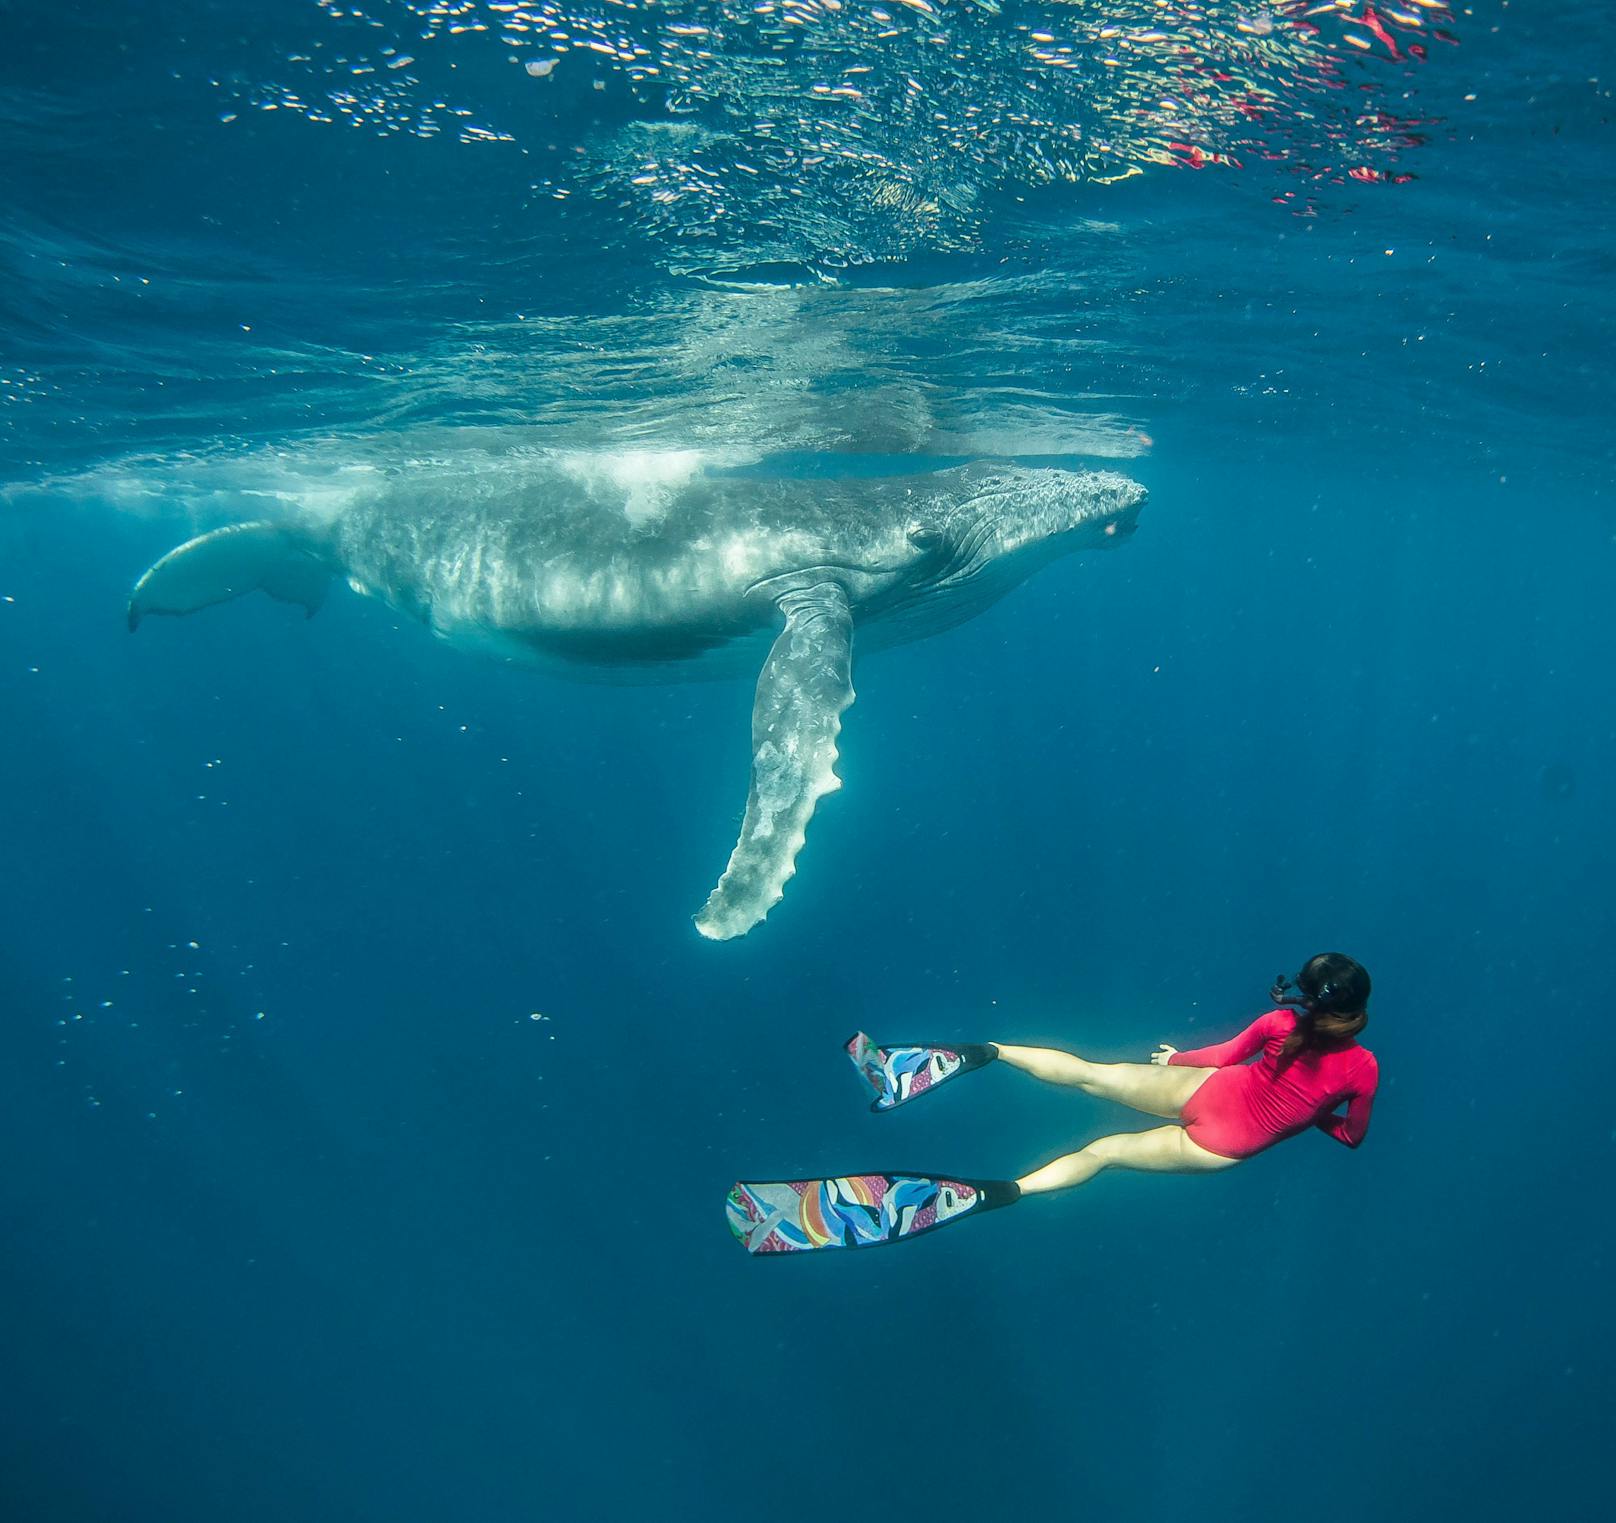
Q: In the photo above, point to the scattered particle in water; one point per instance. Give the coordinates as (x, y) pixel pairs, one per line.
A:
(1557, 781)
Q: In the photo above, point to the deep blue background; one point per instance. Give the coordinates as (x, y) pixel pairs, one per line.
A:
(394, 1250)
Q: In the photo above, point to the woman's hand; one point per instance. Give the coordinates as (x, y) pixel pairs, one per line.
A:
(1163, 1054)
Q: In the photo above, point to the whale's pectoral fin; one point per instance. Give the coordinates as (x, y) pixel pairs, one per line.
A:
(224, 564)
(806, 684)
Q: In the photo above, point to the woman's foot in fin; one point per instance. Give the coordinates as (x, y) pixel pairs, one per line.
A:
(856, 1210)
(906, 1072)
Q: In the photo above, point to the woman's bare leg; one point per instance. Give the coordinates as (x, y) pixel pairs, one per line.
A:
(1162, 1150)
(1157, 1090)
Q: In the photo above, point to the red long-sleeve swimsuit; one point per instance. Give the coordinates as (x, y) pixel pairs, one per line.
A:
(1243, 1108)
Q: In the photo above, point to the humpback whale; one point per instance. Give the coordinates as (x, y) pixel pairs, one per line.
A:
(610, 572)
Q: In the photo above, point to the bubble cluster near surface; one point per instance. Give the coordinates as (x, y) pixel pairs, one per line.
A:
(861, 129)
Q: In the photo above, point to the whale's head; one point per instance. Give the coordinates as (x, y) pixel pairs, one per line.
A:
(1001, 521)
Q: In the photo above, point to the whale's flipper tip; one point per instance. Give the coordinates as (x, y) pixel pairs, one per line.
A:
(729, 913)
(708, 927)
(225, 563)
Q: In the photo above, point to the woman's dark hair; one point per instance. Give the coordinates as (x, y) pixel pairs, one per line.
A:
(1334, 1006)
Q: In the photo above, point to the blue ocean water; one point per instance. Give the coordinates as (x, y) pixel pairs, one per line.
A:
(368, 1101)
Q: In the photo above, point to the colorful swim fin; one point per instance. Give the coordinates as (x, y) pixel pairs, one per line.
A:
(857, 1210)
(897, 1074)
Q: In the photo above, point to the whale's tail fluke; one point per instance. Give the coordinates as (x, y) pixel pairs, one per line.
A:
(224, 564)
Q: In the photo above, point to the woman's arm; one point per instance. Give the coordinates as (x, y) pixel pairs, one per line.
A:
(1350, 1128)
(1236, 1050)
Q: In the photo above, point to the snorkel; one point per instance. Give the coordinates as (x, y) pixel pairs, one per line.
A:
(1288, 993)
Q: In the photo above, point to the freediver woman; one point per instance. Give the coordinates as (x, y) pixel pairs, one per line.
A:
(1220, 1109)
